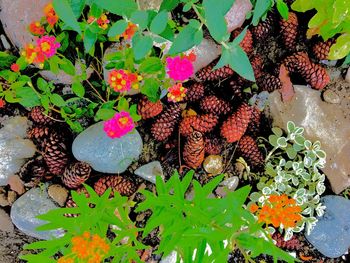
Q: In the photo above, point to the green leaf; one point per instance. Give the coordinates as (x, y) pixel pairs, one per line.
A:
(90, 39)
(95, 10)
(150, 88)
(45, 102)
(28, 97)
(151, 65)
(277, 131)
(141, 46)
(239, 62)
(54, 64)
(282, 9)
(159, 22)
(185, 40)
(140, 17)
(67, 66)
(65, 13)
(78, 89)
(104, 114)
(169, 5)
(57, 100)
(341, 48)
(282, 142)
(117, 28)
(43, 85)
(120, 7)
(303, 6)
(123, 104)
(77, 7)
(260, 9)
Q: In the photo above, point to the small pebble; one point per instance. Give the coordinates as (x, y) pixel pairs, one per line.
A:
(3, 200)
(11, 197)
(331, 97)
(347, 77)
(228, 185)
(4, 42)
(213, 164)
(5, 222)
(58, 193)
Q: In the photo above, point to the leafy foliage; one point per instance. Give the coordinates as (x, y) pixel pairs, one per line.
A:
(332, 18)
(262, 7)
(96, 215)
(292, 168)
(194, 224)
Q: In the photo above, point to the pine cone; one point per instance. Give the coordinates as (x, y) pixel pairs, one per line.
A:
(118, 184)
(214, 105)
(257, 64)
(249, 150)
(291, 244)
(236, 89)
(76, 174)
(195, 92)
(296, 62)
(321, 49)
(148, 109)
(268, 82)
(39, 135)
(247, 42)
(263, 29)
(202, 123)
(55, 155)
(193, 153)
(236, 125)
(38, 116)
(166, 122)
(255, 121)
(213, 146)
(289, 30)
(208, 74)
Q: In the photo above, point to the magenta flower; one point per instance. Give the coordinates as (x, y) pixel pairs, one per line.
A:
(119, 125)
(48, 45)
(179, 69)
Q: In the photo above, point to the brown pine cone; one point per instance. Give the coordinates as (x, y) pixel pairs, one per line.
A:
(321, 49)
(296, 62)
(195, 92)
(214, 105)
(118, 184)
(39, 135)
(166, 122)
(268, 82)
(255, 122)
(202, 123)
(193, 153)
(249, 150)
(213, 146)
(76, 174)
(148, 109)
(289, 30)
(208, 74)
(38, 116)
(55, 154)
(247, 42)
(263, 29)
(236, 125)
(291, 244)
(257, 64)
(236, 89)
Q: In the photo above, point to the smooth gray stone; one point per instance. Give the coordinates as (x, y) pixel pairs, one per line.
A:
(150, 171)
(25, 209)
(104, 154)
(331, 235)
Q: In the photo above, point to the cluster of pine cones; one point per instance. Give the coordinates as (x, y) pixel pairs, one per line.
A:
(57, 163)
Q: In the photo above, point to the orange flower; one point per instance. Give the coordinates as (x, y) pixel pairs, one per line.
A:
(279, 210)
(103, 21)
(65, 260)
(2, 103)
(50, 13)
(33, 54)
(15, 67)
(36, 28)
(129, 31)
(176, 93)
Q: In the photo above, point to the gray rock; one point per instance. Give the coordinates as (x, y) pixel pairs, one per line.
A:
(236, 16)
(150, 4)
(331, 97)
(104, 154)
(322, 121)
(13, 148)
(25, 209)
(228, 185)
(150, 171)
(331, 235)
(5, 222)
(171, 258)
(347, 77)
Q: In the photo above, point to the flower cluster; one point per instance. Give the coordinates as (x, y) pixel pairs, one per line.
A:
(122, 80)
(36, 28)
(176, 93)
(45, 48)
(50, 14)
(129, 31)
(278, 211)
(119, 125)
(87, 247)
(102, 22)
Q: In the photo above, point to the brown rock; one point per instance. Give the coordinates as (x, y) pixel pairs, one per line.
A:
(11, 197)
(322, 121)
(5, 222)
(16, 184)
(58, 193)
(3, 200)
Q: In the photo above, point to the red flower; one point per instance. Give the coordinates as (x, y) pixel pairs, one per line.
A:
(36, 28)
(2, 103)
(15, 67)
(50, 14)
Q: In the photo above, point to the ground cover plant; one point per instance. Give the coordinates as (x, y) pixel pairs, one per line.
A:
(139, 72)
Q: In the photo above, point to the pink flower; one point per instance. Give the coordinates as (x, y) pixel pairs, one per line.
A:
(48, 45)
(176, 93)
(119, 125)
(179, 69)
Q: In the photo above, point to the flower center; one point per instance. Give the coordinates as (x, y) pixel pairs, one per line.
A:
(123, 121)
(45, 46)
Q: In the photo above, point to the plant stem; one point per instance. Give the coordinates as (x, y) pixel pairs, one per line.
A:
(270, 154)
(97, 93)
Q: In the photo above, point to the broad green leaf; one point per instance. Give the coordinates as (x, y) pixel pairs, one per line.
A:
(117, 28)
(151, 65)
(303, 6)
(90, 39)
(28, 97)
(239, 62)
(159, 22)
(78, 89)
(65, 13)
(282, 9)
(240, 37)
(141, 46)
(57, 100)
(260, 9)
(95, 10)
(67, 66)
(341, 48)
(119, 7)
(347, 60)
(54, 64)
(45, 102)
(140, 17)
(185, 40)
(169, 5)
(150, 88)
(123, 104)
(77, 7)
(104, 114)
(42, 85)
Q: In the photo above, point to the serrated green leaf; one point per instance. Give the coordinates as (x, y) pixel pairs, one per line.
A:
(77, 7)
(151, 65)
(104, 114)
(28, 97)
(141, 18)
(260, 9)
(150, 88)
(185, 40)
(169, 5)
(65, 13)
(141, 46)
(120, 7)
(67, 66)
(117, 28)
(57, 100)
(90, 39)
(159, 22)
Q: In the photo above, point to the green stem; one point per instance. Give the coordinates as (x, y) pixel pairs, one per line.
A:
(270, 154)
